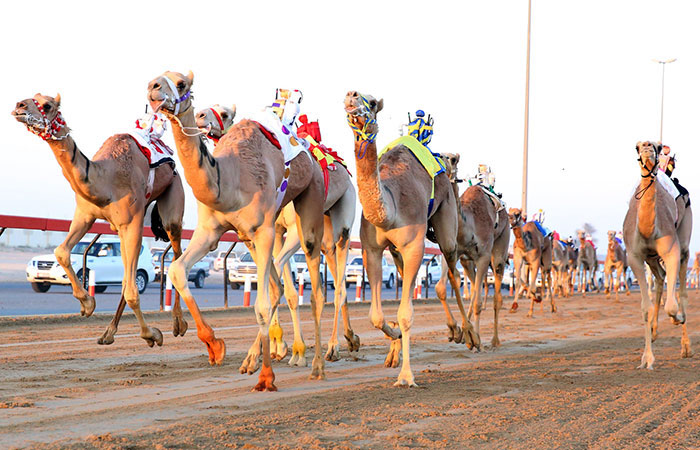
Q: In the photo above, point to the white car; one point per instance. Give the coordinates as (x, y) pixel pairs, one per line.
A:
(198, 272)
(219, 261)
(434, 269)
(354, 270)
(300, 260)
(104, 258)
(246, 268)
(508, 276)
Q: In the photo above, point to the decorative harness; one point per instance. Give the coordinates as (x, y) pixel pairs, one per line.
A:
(176, 100)
(361, 134)
(221, 127)
(48, 132)
(651, 173)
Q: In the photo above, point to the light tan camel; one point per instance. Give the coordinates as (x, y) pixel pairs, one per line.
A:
(587, 264)
(534, 251)
(339, 209)
(236, 188)
(615, 261)
(695, 272)
(560, 268)
(573, 267)
(658, 227)
(482, 241)
(395, 194)
(113, 187)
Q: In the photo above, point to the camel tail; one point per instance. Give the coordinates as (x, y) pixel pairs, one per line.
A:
(157, 225)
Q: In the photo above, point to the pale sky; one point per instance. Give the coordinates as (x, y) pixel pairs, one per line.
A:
(594, 91)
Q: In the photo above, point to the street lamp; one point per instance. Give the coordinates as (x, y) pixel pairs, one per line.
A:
(663, 75)
(527, 110)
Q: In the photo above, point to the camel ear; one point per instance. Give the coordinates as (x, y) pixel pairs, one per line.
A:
(457, 158)
(58, 99)
(233, 111)
(190, 76)
(637, 146)
(380, 104)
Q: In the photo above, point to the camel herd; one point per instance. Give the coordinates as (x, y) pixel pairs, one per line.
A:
(251, 184)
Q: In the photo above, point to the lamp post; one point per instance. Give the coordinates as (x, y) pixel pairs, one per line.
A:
(527, 110)
(663, 76)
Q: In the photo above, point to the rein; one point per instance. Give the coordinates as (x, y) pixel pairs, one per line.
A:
(50, 128)
(651, 174)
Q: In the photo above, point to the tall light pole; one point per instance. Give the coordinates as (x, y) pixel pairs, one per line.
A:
(663, 76)
(527, 109)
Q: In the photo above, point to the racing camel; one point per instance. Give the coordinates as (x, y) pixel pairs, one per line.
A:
(395, 194)
(615, 261)
(658, 227)
(237, 188)
(113, 186)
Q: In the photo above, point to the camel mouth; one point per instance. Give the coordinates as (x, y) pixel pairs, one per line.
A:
(20, 116)
(354, 110)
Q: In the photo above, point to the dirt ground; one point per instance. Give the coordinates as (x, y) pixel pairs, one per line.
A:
(564, 380)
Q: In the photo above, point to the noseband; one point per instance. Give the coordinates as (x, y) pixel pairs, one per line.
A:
(361, 134)
(50, 128)
(176, 100)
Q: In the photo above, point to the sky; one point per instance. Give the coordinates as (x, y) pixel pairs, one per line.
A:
(594, 91)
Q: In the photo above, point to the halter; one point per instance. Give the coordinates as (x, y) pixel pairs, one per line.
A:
(221, 127)
(48, 132)
(177, 100)
(361, 133)
(651, 174)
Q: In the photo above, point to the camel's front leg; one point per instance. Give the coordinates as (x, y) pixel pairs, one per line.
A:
(671, 259)
(517, 268)
(205, 238)
(412, 256)
(372, 259)
(78, 227)
(637, 265)
(534, 269)
(455, 333)
(130, 237)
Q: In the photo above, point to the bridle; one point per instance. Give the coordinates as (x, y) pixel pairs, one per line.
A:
(361, 134)
(651, 173)
(176, 100)
(50, 128)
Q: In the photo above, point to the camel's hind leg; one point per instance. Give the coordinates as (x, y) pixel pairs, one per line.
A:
(499, 267)
(454, 331)
(130, 236)
(80, 224)
(171, 208)
(637, 265)
(205, 238)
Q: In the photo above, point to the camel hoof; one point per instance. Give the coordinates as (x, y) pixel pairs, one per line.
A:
(87, 306)
(179, 326)
(266, 380)
(279, 350)
(401, 382)
(333, 353)
(156, 337)
(554, 309)
(298, 355)
(686, 352)
(456, 334)
(393, 358)
(318, 371)
(107, 337)
(495, 342)
(353, 341)
(473, 340)
(514, 307)
(250, 364)
(217, 351)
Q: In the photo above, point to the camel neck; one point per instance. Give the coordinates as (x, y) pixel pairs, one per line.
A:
(80, 172)
(201, 169)
(518, 233)
(375, 207)
(646, 212)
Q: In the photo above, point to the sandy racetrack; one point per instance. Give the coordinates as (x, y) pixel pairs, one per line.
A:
(565, 380)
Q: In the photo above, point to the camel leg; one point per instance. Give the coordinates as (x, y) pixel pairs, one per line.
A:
(657, 271)
(552, 303)
(412, 257)
(454, 331)
(671, 259)
(310, 229)
(298, 347)
(80, 224)
(372, 260)
(482, 265)
(607, 280)
(534, 269)
(517, 267)
(130, 237)
(686, 350)
(171, 207)
(205, 237)
(637, 265)
(284, 249)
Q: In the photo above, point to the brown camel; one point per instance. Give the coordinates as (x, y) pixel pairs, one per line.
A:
(237, 189)
(482, 241)
(587, 264)
(534, 251)
(560, 267)
(395, 194)
(573, 266)
(113, 187)
(656, 228)
(695, 272)
(615, 260)
(339, 209)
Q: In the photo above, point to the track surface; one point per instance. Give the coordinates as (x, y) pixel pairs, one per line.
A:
(564, 380)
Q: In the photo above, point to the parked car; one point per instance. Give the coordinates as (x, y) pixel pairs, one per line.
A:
(104, 258)
(198, 273)
(354, 270)
(434, 269)
(246, 268)
(219, 261)
(300, 259)
(508, 276)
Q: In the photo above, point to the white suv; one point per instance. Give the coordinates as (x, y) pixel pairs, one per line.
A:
(354, 270)
(246, 268)
(104, 258)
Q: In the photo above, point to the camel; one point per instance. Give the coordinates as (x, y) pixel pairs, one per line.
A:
(588, 263)
(695, 272)
(482, 241)
(113, 186)
(395, 195)
(572, 253)
(658, 227)
(237, 189)
(534, 251)
(560, 267)
(615, 260)
(339, 210)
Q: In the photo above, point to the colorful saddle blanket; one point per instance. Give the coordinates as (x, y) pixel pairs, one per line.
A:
(430, 162)
(147, 136)
(326, 157)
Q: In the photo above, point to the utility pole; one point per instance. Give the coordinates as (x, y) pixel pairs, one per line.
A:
(663, 76)
(527, 110)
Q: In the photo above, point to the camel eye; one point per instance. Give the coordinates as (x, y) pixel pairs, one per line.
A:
(180, 85)
(47, 107)
(373, 103)
(224, 116)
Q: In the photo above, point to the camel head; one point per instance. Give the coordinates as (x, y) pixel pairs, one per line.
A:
(362, 113)
(648, 153)
(581, 235)
(215, 121)
(171, 92)
(515, 216)
(611, 237)
(451, 160)
(42, 116)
